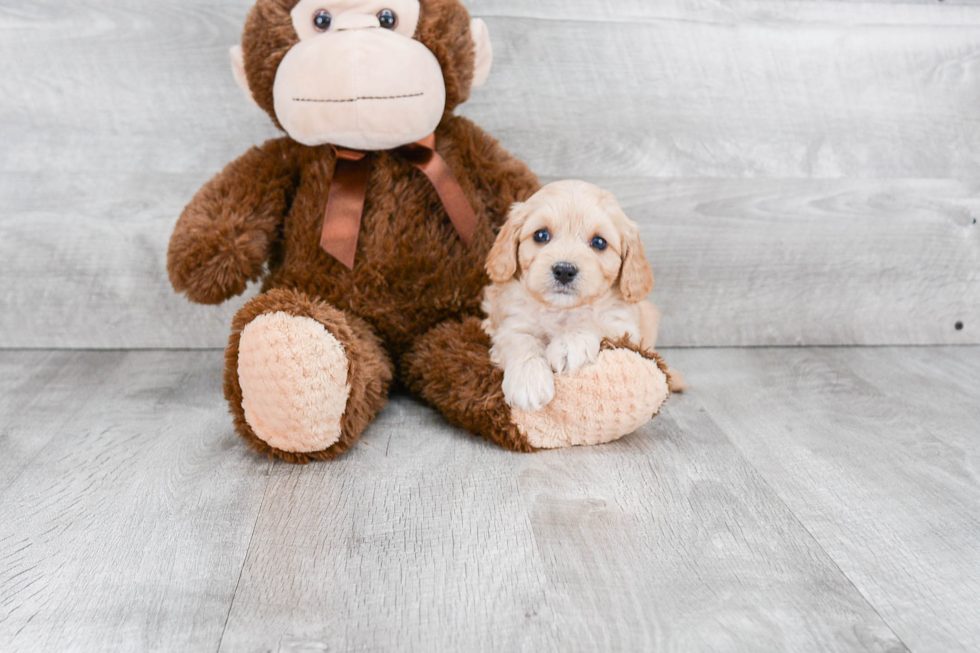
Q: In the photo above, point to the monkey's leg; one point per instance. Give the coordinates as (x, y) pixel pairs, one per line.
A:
(303, 379)
(450, 368)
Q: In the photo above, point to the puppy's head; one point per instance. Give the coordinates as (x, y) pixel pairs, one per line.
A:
(571, 244)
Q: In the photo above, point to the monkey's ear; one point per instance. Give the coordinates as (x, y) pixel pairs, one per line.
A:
(238, 70)
(484, 52)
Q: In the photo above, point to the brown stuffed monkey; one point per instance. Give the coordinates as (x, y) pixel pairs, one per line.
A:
(370, 238)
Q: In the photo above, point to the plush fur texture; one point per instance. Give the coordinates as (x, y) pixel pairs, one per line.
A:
(369, 372)
(225, 236)
(599, 403)
(411, 304)
(450, 369)
(293, 374)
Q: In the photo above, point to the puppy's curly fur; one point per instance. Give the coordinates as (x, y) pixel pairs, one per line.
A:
(569, 272)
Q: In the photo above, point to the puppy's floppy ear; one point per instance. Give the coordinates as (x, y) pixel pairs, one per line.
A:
(502, 261)
(636, 278)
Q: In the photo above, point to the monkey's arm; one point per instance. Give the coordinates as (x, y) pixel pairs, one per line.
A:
(223, 238)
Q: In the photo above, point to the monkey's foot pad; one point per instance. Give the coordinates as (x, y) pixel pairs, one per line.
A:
(600, 403)
(293, 374)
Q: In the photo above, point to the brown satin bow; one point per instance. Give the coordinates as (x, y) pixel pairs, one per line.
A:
(345, 206)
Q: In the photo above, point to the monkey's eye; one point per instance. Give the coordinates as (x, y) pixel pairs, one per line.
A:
(599, 244)
(322, 20)
(388, 19)
(542, 236)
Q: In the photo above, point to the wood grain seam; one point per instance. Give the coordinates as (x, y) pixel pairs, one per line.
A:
(777, 498)
(248, 548)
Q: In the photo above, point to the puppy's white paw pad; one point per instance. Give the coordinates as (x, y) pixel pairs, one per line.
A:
(573, 352)
(584, 350)
(557, 355)
(530, 386)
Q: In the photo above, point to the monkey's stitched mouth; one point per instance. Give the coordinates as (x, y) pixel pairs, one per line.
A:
(358, 99)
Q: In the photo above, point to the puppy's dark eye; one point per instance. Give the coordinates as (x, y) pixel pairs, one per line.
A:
(388, 19)
(322, 20)
(599, 244)
(543, 236)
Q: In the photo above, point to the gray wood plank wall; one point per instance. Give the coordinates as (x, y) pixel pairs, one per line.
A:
(805, 172)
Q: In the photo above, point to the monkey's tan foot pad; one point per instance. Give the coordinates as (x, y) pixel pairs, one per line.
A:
(600, 403)
(293, 375)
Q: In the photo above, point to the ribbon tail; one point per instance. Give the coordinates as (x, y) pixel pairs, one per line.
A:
(345, 208)
(453, 199)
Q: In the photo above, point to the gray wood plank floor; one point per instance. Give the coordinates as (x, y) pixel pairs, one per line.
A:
(797, 500)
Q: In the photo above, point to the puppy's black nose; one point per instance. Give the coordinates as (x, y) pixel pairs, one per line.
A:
(565, 273)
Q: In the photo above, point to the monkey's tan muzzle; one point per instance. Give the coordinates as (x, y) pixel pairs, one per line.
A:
(359, 88)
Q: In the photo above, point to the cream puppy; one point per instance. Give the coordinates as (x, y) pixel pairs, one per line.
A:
(568, 271)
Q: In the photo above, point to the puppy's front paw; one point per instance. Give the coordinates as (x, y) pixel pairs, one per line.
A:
(529, 386)
(572, 352)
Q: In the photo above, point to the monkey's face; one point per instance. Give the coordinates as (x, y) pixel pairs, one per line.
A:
(357, 78)
(354, 73)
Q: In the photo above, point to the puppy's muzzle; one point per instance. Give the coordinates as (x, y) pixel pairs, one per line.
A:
(564, 273)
